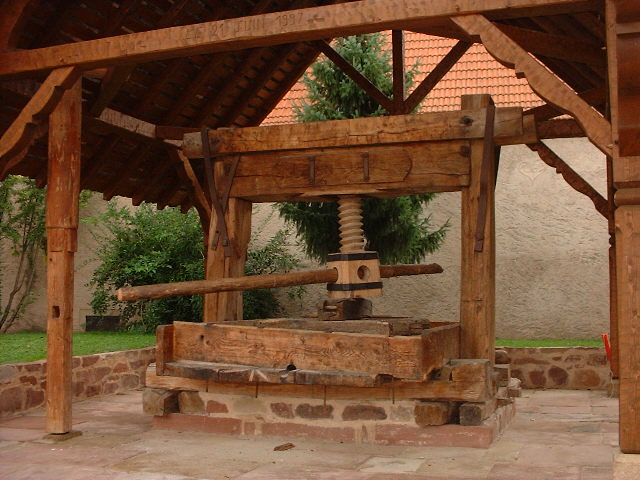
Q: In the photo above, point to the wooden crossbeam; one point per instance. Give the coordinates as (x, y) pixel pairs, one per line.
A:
(364, 16)
(561, 128)
(435, 75)
(363, 82)
(594, 97)
(572, 177)
(542, 81)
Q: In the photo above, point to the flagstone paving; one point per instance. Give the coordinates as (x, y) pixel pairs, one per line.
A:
(556, 435)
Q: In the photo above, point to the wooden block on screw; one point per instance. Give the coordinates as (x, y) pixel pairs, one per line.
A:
(472, 414)
(504, 374)
(160, 402)
(433, 413)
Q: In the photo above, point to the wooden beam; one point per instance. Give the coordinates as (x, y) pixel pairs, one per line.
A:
(397, 52)
(594, 97)
(342, 19)
(200, 198)
(363, 82)
(437, 74)
(477, 278)
(572, 177)
(541, 80)
(363, 132)
(62, 224)
(560, 128)
(36, 111)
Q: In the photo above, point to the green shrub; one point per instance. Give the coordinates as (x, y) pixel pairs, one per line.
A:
(147, 246)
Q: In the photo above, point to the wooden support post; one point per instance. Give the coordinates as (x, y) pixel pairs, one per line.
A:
(227, 306)
(397, 38)
(477, 301)
(62, 226)
(623, 38)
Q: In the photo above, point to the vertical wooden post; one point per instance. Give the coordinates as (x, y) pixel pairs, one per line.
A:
(613, 286)
(623, 38)
(63, 190)
(397, 51)
(225, 306)
(477, 280)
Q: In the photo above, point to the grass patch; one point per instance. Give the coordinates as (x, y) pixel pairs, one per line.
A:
(548, 342)
(28, 347)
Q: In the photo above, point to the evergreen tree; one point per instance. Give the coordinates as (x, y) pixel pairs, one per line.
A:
(394, 227)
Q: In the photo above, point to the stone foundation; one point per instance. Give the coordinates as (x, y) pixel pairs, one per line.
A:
(575, 368)
(369, 422)
(22, 385)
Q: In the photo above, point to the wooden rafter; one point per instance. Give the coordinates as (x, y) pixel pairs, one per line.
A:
(362, 16)
(14, 15)
(563, 47)
(36, 111)
(541, 80)
(572, 177)
(363, 82)
(435, 75)
(397, 51)
(257, 84)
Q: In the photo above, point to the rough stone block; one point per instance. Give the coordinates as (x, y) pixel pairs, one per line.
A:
(190, 402)
(502, 357)
(363, 412)
(282, 410)
(12, 400)
(441, 436)
(504, 373)
(433, 413)
(306, 410)
(159, 402)
(214, 406)
(514, 390)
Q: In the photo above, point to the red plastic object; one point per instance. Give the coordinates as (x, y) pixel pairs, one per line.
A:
(607, 346)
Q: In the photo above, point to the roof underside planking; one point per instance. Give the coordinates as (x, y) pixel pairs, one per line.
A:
(236, 88)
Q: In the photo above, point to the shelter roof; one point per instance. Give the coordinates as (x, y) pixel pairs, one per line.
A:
(128, 108)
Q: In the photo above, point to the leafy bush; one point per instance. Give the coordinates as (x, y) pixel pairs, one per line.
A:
(147, 246)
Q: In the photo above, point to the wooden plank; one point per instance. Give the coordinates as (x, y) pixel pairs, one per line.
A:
(363, 82)
(542, 81)
(62, 223)
(449, 390)
(628, 279)
(397, 129)
(440, 345)
(427, 167)
(164, 347)
(279, 348)
(35, 112)
(477, 298)
(317, 23)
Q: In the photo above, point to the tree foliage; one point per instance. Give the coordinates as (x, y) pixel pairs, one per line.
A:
(395, 228)
(22, 235)
(146, 246)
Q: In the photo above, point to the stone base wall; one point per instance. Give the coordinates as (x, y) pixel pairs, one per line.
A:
(372, 422)
(575, 368)
(22, 385)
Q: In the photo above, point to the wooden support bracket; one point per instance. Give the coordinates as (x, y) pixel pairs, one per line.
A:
(542, 81)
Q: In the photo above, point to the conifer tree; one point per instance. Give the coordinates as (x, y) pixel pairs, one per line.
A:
(395, 228)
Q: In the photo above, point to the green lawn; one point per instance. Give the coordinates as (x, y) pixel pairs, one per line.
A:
(27, 347)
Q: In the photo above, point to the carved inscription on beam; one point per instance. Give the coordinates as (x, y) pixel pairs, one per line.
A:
(316, 23)
(541, 80)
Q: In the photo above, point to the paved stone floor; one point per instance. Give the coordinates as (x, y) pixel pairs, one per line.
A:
(557, 434)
